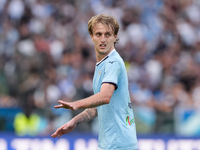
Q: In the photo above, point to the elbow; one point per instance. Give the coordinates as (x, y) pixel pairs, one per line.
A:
(106, 101)
(107, 98)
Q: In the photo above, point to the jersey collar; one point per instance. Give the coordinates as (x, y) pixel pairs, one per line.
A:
(105, 57)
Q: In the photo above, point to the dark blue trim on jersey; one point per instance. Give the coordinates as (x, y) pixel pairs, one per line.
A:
(129, 105)
(116, 86)
(102, 60)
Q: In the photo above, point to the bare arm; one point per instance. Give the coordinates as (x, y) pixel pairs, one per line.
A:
(101, 98)
(85, 116)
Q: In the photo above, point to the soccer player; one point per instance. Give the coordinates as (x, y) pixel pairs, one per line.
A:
(111, 100)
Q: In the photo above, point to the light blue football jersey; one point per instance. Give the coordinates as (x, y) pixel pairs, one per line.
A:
(116, 120)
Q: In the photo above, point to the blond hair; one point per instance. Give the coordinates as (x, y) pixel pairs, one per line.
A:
(107, 20)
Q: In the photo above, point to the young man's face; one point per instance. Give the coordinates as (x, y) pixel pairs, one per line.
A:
(103, 38)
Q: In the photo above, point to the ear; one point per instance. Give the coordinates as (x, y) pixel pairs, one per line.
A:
(92, 37)
(115, 38)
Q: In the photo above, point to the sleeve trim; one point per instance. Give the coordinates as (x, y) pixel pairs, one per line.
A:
(116, 86)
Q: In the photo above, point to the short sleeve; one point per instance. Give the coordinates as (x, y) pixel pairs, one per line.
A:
(112, 72)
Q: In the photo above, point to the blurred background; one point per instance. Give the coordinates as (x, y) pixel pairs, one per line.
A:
(46, 54)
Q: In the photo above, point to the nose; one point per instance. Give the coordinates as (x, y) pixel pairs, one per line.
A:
(102, 38)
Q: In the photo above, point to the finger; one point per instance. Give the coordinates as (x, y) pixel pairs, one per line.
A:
(64, 105)
(61, 101)
(54, 135)
(59, 135)
(58, 106)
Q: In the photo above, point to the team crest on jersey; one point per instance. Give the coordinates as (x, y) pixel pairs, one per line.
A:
(99, 75)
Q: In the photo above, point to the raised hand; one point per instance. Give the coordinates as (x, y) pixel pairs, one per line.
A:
(66, 105)
(64, 129)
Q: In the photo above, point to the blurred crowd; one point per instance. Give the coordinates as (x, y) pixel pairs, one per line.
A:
(46, 54)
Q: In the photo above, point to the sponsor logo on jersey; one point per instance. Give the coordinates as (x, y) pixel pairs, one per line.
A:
(129, 122)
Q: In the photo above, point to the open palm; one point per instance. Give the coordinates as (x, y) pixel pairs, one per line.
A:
(64, 129)
(66, 105)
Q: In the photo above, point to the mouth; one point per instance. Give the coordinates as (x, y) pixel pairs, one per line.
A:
(102, 45)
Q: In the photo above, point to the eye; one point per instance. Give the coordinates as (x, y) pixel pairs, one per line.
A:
(107, 34)
(98, 34)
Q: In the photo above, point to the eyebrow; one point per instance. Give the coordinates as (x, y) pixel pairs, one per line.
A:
(97, 33)
(108, 32)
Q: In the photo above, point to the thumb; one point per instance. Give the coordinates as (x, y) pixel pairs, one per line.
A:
(64, 128)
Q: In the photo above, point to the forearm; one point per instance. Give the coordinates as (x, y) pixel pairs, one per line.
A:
(101, 98)
(92, 101)
(86, 115)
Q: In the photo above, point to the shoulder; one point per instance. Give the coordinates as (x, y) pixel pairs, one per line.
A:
(113, 63)
(115, 58)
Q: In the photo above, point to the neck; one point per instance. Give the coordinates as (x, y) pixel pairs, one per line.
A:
(100, 57)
